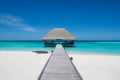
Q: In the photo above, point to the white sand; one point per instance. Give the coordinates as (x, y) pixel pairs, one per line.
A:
(97, 67)
(21, 65)
(16, 65)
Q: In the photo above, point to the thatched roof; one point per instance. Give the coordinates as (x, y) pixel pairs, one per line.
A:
(59, 33)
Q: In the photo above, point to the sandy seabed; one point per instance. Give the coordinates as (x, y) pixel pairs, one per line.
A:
(21, 65)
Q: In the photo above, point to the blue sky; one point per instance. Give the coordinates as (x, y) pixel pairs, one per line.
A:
(85, 19)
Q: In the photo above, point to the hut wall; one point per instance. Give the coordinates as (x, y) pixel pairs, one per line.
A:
(63, 42)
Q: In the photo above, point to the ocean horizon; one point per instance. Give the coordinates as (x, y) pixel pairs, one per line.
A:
(109, 47)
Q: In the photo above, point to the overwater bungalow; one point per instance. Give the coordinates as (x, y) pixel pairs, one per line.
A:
(59, 36)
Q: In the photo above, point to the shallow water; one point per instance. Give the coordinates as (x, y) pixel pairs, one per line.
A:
(96, 47)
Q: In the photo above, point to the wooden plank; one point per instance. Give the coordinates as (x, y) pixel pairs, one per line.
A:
(59, 67)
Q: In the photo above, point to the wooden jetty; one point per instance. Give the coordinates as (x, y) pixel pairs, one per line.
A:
(59, 66)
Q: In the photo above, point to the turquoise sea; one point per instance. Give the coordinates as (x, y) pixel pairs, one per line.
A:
(97, 47)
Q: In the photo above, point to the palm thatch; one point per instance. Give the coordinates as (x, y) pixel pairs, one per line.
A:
(59, 33)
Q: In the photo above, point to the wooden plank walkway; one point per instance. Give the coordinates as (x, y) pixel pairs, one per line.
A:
(59, 67)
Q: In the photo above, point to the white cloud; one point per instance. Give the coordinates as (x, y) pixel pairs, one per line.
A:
(9, 20)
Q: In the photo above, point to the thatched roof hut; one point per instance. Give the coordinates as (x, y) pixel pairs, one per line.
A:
(59, 35)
